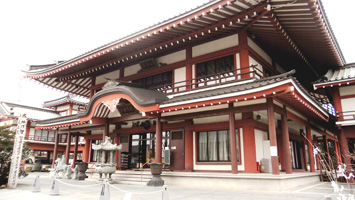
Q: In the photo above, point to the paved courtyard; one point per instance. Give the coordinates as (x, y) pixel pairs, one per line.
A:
(90, 190)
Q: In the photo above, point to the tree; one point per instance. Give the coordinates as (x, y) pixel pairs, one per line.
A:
(6, 146)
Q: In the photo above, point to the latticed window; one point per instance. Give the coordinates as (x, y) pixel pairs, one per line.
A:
(211, 67)
(156, 81)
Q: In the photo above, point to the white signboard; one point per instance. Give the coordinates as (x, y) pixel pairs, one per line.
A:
(17, 151)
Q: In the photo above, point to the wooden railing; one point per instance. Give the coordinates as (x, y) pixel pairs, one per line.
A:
(252, 72)
(347, 115)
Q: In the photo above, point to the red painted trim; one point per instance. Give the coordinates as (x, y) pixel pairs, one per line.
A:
(335, 84)
(93, 137)
(347, 96)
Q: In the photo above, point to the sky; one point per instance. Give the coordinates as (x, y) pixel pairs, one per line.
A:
(41, 32)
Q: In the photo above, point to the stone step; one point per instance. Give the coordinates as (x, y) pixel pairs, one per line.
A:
(127, 177)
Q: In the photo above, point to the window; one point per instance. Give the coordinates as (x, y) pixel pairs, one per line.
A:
(156, 81)
(211, 67)
(214, 146)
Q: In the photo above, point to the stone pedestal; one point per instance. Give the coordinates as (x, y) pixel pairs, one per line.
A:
(156, 169)
(82, 167)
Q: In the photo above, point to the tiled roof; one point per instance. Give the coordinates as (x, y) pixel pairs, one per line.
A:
(247, 85)
(344, 73)
(141, 96)
(69, 98)
(13, 110)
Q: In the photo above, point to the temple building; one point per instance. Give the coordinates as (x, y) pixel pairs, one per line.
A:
(221, 88)
(41, 141)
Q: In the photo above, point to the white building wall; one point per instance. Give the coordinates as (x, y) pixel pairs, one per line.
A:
(32, 132)
(179, 76)
(347, 90)
(133, 69)
(112, 75)
(63, 107)
(172, 58)
(348, 105)
(260, 136)
(259, 67)
(215, 45)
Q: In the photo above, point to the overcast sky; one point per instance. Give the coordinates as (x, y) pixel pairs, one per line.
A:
(41, 32)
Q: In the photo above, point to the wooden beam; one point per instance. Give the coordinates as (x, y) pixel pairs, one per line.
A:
(209, 113)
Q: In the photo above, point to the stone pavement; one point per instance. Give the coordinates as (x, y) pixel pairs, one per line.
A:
(90, 190)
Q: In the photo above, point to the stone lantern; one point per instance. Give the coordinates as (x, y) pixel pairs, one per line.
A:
(106, 154)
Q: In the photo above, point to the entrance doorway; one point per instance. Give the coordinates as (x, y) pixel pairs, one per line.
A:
(142, 148)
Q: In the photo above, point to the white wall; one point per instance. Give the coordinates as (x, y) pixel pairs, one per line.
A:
(133, 69)
(348, 105)
(215, 45)
(112, 75)
(172, 58)
(258, 50)
(180, 75)
(260, 136)
(347, 90)
(63, 107)
(252, 61)
(32, 132)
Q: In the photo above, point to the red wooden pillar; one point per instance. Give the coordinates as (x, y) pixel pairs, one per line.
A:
(117, 141)
(158, 142)
(233, 140)
(106, 131)
(244, 54)
(92, 91)
(272, 136)
(325, 140)
(249, 144)
(310, 149)
(337, 153)
(304, 155)
(286, 142)
(67, 151)
(315, 141)
(76, 149)
(86, 150)
(28, 129)
(344, 148)
(188, 150)
(188, 67)
(337, 101)
(281, 153)
(55, 151)
(70, 109)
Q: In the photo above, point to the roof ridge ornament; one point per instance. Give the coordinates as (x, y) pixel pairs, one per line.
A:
(110, 84)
